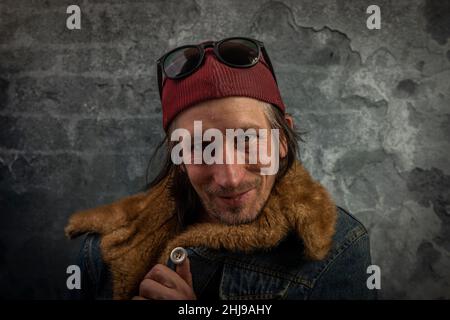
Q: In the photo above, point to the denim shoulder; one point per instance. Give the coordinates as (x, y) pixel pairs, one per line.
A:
(343, 274)
(96, 282)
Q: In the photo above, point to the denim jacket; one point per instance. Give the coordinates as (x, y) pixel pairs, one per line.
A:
(282, 272)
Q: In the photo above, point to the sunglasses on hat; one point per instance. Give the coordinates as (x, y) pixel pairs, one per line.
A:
(236, 52)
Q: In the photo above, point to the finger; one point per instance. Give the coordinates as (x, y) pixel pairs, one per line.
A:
(151, 289)
(184, 271)
(138, 298)
(164, 275)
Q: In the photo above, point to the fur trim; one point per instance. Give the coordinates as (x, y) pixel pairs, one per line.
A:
(141, 230)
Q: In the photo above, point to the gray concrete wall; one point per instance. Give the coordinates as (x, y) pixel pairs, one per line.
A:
(80, 115)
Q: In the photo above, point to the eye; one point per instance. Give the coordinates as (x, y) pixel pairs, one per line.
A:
(201, 147)
(248, 140)
(247, 143)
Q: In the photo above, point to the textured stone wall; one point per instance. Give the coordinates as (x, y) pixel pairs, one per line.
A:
(80, 116)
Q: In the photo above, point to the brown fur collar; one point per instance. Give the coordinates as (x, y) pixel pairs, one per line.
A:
(141, 230)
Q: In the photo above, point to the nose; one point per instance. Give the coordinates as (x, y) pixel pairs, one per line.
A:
(228, 175)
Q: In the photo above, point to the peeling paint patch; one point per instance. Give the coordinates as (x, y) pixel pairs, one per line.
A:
(427, 256)
(428, 185)
(437, 14)
(432, 188)
(406, 88)
(420, 65)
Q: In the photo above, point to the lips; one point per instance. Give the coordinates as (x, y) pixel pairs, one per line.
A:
(236, 199)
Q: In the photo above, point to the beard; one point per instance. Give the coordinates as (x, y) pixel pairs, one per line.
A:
(235, 214)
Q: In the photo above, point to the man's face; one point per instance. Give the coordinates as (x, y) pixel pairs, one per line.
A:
(230, 193)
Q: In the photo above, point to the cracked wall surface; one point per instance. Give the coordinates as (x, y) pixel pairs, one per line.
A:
(80, 116)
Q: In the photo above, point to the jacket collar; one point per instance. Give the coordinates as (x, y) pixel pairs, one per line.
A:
(141, 230)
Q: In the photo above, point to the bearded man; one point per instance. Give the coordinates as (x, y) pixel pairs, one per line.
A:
(240, 231)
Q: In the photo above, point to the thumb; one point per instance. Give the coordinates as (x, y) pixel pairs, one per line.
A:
(184, 271)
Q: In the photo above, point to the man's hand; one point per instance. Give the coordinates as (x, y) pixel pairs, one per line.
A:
(162, 283)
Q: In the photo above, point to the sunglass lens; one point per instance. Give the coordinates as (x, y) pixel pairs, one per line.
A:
(181, 61)
(239, 52)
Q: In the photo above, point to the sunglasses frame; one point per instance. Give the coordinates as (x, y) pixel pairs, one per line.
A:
(215, 45)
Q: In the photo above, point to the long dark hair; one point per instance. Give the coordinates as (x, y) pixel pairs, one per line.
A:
(185, 197)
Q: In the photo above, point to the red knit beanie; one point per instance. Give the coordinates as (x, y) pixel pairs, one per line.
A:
(214, 79)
